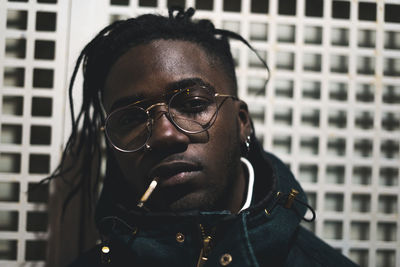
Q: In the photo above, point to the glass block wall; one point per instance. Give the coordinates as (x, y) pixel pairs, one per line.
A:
(33, 43)
(331, 109)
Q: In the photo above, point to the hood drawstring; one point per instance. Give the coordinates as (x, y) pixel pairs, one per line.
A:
(286, 200)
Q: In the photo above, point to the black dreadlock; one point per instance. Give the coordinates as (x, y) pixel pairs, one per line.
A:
(97, 58)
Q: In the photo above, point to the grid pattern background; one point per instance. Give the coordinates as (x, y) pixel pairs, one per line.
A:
(33, 37)
(331, 110)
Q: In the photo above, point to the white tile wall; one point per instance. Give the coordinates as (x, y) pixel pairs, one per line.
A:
(331, 109)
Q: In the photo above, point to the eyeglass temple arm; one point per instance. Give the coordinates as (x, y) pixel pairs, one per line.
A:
(222, 95)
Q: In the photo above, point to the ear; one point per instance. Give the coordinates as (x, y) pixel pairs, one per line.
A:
(244, 121)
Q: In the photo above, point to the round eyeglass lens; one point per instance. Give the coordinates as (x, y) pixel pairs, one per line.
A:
(193, 110)
(128, 128)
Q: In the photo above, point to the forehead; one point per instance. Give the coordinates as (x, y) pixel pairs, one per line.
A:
(147, 70)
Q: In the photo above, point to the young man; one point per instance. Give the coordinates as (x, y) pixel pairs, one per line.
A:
(187, 183)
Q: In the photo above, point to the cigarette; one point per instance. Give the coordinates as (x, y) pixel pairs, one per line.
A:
(148, 192)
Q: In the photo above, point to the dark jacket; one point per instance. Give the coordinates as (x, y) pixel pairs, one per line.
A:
(266, 234)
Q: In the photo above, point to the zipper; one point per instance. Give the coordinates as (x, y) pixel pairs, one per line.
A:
(205, 250)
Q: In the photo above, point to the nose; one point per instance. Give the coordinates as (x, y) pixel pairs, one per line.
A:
(165, 136)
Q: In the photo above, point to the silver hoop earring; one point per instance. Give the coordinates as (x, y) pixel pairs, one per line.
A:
(247, 144)
(147, 148)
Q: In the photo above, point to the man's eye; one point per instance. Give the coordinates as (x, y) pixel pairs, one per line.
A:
(131, 120)
(195, 104)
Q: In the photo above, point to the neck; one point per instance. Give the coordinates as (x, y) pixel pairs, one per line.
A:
(239, 190)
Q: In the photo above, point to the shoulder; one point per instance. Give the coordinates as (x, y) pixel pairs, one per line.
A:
(309, 250)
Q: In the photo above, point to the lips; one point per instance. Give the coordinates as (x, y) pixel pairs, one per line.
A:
(175, 172)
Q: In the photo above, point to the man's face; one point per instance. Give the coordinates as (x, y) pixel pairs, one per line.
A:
(196, 171)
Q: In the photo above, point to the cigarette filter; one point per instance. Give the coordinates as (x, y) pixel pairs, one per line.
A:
(148, 192)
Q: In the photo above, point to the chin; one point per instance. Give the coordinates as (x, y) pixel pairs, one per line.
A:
(187, 197)
(204, 201)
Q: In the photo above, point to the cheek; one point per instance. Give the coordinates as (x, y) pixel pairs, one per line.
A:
(127, 163)
(224, 145)
(227, 126)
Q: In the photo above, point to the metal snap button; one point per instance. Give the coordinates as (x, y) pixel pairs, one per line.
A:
(134, 231)
(105, 249)
(225, 259)
(180, 237)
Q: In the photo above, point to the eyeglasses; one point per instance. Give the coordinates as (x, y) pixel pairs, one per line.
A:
(192, 110)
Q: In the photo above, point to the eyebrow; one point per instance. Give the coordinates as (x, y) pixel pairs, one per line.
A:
(181, 84)
(124, 101)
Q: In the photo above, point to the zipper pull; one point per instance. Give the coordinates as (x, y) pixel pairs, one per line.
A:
(204, 251)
